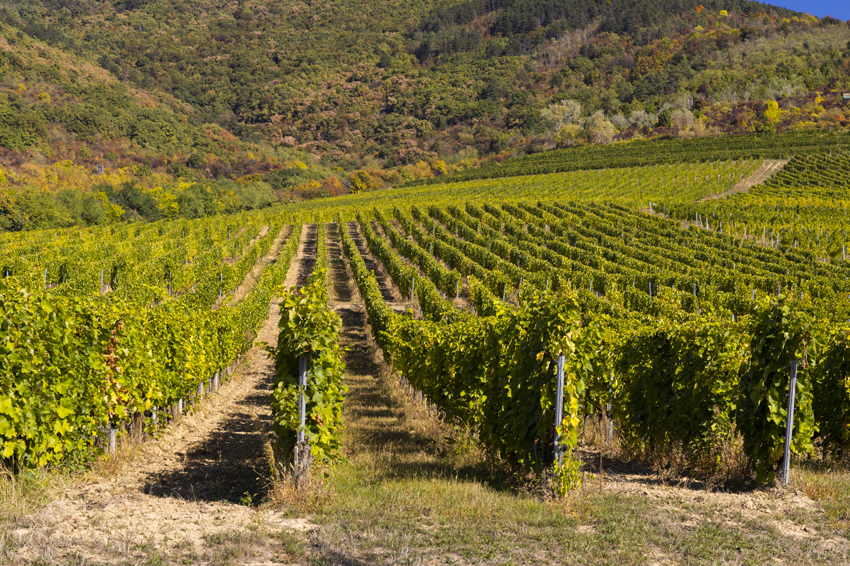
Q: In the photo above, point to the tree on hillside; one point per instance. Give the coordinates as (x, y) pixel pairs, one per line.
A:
(560, 114)
(563, 119)
(599, 129)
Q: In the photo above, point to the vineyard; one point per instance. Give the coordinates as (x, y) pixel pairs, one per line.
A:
(501, 291)
(675, 321)
(651, 152)
(603, 284)
(801, 210)
(117, 329)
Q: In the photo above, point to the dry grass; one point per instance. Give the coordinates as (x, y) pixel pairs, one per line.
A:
(718, 462)
(418, 490)
(304, 497)
(829, 485)
(226, 548)
(24, 493)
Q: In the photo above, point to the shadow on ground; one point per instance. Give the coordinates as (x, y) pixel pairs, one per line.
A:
(229, 464)
(308, 259)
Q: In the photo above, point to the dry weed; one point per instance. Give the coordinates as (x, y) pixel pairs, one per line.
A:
(718, 460)
(306, 495)
(23, 493)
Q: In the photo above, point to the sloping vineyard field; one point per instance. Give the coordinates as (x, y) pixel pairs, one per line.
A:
(630, 186)
(803, 207)
(654, 152)
(681, 324)
(681, 331)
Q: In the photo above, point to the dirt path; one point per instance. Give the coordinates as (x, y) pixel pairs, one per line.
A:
(253, 275)
(340, 291)
(186, 498)
(765, 171)
(392, 295)
(305, 260)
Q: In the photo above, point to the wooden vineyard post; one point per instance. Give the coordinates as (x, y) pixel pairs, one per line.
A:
(101, 281)
(559, 407)
(412, 287)
(45, 278)
(789, 423)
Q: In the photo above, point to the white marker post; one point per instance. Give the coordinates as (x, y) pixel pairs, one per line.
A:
(559, 406)
(112, 440)
(302, 403)
(789, 424)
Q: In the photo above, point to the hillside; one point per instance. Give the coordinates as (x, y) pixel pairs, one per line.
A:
(79, 146)
(412, 80)
(311, 100)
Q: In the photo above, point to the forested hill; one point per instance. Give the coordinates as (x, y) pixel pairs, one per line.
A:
(316, 98)
(527, 24)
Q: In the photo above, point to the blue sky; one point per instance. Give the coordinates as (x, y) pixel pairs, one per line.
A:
(836, 8)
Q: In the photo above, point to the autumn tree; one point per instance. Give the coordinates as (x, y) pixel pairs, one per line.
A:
(599, 129)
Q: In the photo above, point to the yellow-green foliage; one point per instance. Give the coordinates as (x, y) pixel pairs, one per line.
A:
(773, 113)
(631, 186)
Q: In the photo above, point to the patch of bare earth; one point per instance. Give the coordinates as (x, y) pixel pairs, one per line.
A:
(305, 260)
(189, 497)
(390, 292)
(786, 512)
(253, 275)
(765, 171)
